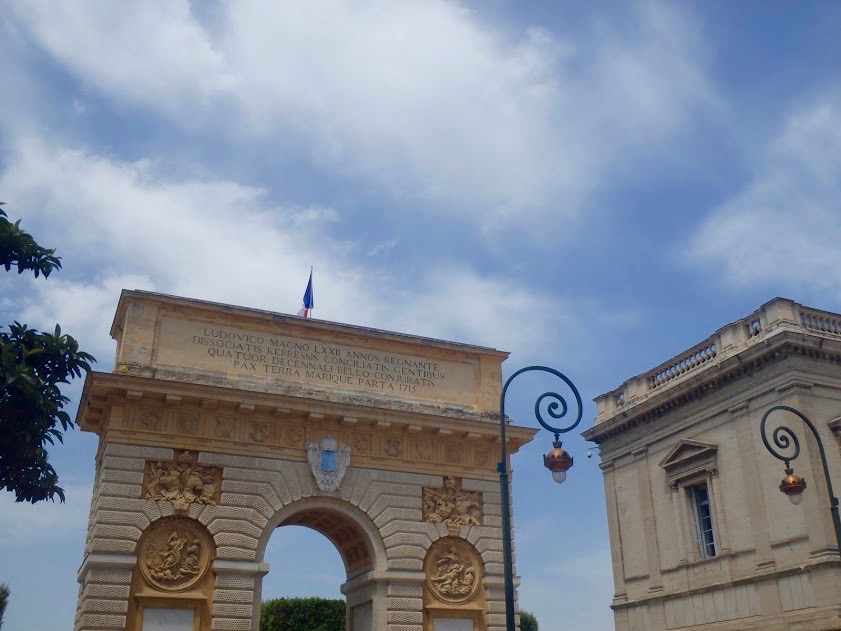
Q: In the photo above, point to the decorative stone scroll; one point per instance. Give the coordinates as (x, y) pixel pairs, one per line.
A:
(175, 554)
(452, 570)
(451, 505)
(182, 481)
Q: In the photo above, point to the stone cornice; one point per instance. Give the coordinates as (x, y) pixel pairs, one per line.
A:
(782, 345)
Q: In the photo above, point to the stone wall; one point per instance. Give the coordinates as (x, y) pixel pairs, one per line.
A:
(258, 495)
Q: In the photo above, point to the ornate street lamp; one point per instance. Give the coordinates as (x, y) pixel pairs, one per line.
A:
(557, 461)
(793, 485)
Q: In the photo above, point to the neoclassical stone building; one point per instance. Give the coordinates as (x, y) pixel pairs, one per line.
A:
(220, 424)
(701, 537)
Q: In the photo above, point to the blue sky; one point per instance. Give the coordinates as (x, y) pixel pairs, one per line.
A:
(595, 186)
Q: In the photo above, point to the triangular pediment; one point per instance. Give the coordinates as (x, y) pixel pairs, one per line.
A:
(686, 450)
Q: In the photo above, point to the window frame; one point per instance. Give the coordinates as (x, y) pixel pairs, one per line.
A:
(698, 504)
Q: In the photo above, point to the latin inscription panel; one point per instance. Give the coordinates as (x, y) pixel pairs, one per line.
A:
(281, 358)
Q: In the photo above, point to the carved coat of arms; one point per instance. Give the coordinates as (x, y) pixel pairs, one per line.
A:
(329, 460)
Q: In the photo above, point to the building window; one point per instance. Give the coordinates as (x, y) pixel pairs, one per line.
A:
(699, 496)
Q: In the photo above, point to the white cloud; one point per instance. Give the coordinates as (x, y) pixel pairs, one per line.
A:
(783, 228)
(34, 524)
(122, 224)
(421, 99)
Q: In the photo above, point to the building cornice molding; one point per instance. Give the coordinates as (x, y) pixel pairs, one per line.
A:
(785, 346)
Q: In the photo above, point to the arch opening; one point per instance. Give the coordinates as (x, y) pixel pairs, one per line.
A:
(349, 538)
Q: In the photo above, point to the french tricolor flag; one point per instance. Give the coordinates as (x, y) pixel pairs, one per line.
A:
(309, 302)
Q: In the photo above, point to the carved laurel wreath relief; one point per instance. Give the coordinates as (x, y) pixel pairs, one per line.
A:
(452, 569)
(175, 554)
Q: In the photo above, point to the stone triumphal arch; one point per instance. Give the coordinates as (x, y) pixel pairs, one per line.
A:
(220, 424)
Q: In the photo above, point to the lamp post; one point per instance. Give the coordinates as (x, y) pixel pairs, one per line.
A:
(793, 485)
(557, 461)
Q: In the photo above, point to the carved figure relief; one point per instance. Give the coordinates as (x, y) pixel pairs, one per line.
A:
(452, 568)
(175, 554)
(182, 481)
(259, 432)
(451, 505)
(328, 460)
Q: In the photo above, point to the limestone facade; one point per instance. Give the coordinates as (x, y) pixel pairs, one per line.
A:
(200, 461)
(701, 537)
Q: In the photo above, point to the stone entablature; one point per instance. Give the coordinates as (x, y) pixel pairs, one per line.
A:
(705, 366)
(150, 411)
(200, 342)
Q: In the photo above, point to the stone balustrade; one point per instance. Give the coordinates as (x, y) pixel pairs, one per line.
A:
(771, 318)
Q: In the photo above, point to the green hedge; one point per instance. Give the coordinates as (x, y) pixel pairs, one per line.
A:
(527, 621)
(303, 614)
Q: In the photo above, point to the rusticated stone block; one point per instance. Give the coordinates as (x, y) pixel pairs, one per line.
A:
(232, 610)
(235, 554)
(251, 501)
(405, 604)
(138, 451)
(420, 540)
(102, 606)
(406, 552)
(231, 624)
(405, 590)
(233, 539)
(112, 546)
(233, 596)
(405, 564)
(391, 513)
(232, 512)
(234, 581)
(238, 526)
(96, 590)
(123, 477)
(405, 617)
(112, 489)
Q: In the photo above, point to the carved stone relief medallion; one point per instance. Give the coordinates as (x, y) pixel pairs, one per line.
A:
(393, 447)
(328, 460)
(150, 419)
(453, 453)
(483, 456)
(295, 437)
(224, 426)
(189, 422)
(451, 505)
(425, 449)
(362, 443)
(259, 432)
(452, 569)
(175, 554)
(182, 481)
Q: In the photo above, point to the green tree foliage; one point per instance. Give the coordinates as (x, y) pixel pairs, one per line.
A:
(4, 600)
(33, 364)
(527, 621)
(303, 614)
